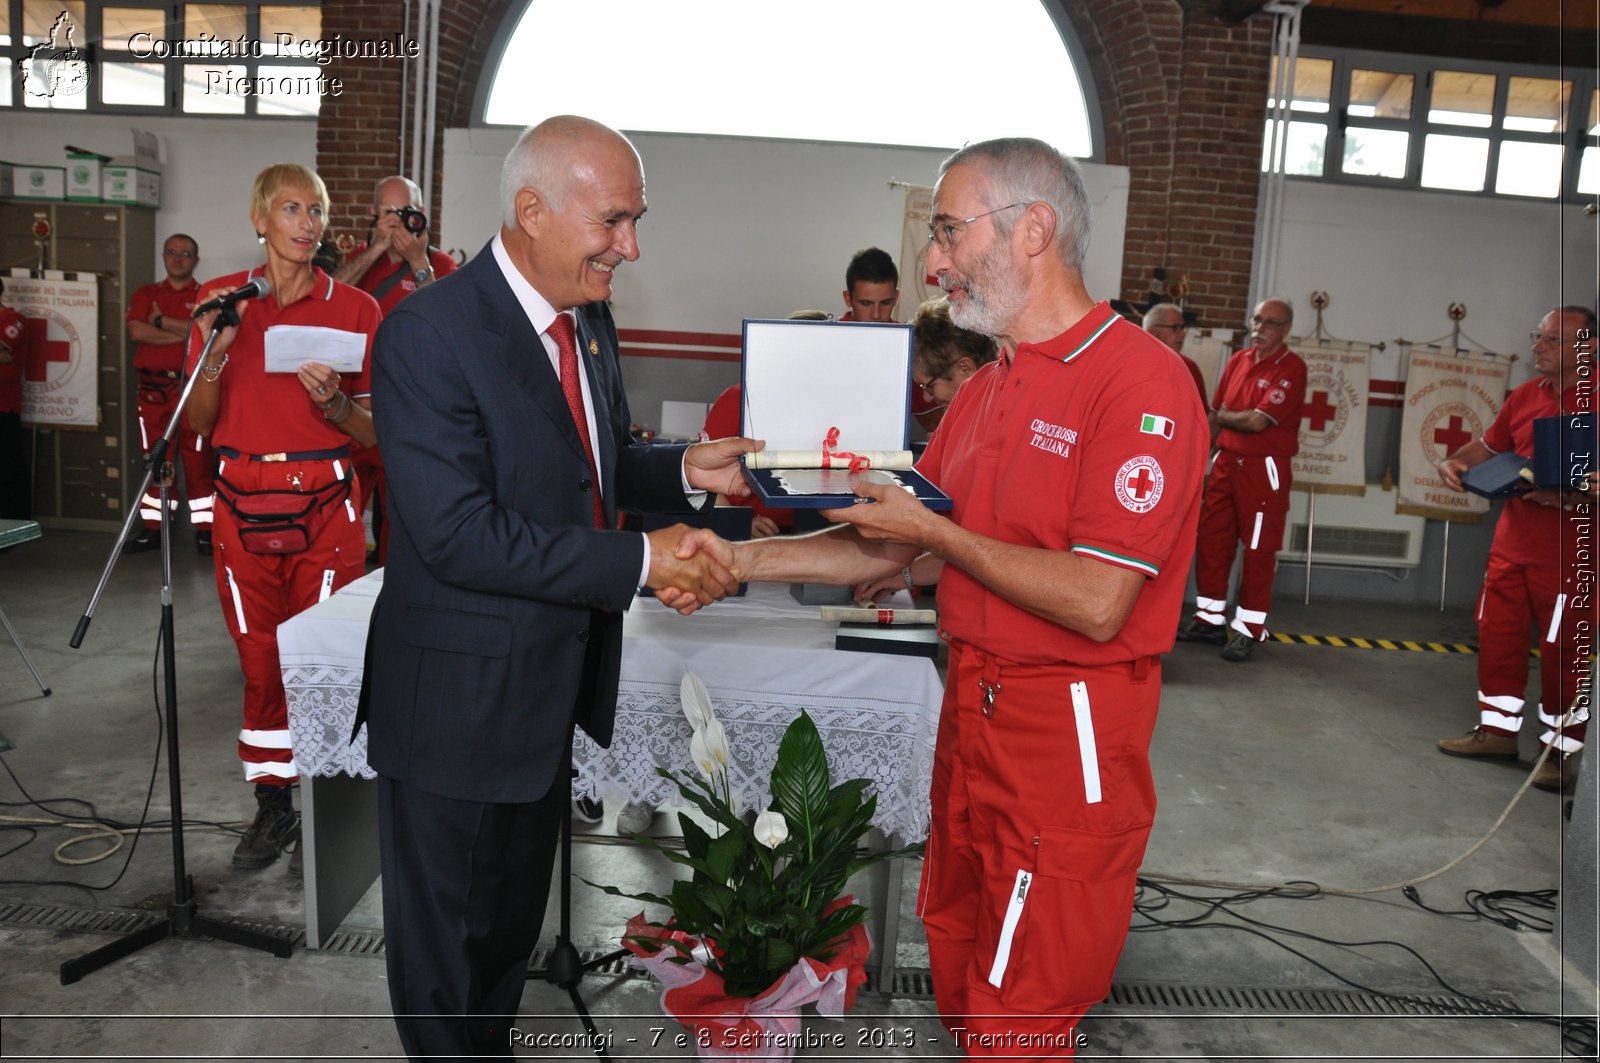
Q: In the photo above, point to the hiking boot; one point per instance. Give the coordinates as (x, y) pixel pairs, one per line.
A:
(1480, 743)
(1196, 630)
(1239, 648)
(635, 818)
(276, 827)
(1556, 772)
(297, 860)
(202, 543)
(146, 540)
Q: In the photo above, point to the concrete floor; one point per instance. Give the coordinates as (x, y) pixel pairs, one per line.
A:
(1309, 764)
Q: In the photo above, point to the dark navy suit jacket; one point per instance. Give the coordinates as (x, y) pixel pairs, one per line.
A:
(500, 620)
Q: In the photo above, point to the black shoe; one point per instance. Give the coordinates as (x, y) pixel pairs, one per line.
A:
(588, 810)
(147, 539)
(1196, 630)
(1239, 648)
(276, 828)
(297, 860)
(202, 543)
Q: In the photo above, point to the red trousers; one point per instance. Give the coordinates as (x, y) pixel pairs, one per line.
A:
(1520, 603)
(368, 462)
(261, 591)
(1042, 804)
(1246, 500)
(158, 398)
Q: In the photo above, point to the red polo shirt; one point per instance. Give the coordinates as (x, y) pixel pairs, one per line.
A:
(1093, 442)
(1528, 533)
(262, 412)
(174, 303)
(383, 269)
(1277, 388)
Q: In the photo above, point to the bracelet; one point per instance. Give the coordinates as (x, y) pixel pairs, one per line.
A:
(905, 574)
(210, 373)
(342, 414)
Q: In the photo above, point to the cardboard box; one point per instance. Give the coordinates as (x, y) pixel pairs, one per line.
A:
(125, 183)
(84, 175)
(29, 181)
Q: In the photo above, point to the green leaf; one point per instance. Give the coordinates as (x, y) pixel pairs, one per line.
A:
(800, 779)
(778, 955)
(725, 851)
(696, 842)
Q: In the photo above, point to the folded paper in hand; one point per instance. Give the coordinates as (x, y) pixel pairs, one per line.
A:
(291, 346)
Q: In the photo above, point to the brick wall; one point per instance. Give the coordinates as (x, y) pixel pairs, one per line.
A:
(1183, 100)
(1182, 96)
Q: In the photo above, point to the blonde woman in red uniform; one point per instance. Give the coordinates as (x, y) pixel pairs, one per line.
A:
(286, 530)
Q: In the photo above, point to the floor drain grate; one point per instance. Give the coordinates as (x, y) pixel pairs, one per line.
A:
(909, 984)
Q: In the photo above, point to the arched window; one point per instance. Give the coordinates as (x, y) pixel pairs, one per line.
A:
(933, 73)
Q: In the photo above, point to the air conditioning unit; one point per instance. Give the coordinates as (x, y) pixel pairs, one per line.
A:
(1353, 530)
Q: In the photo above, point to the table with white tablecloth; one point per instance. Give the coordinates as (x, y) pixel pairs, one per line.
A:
(763, 657)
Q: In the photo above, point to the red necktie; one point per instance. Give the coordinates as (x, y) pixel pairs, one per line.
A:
(562, 331)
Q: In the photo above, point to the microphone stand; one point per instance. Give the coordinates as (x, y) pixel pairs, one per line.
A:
(183, 919)
(565, 967)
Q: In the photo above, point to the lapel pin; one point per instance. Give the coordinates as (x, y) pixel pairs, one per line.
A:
(594, 348)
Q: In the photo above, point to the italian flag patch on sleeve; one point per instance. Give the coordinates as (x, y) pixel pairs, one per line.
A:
(1155, 425)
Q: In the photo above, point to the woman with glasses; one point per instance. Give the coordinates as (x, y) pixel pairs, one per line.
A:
(287, 533)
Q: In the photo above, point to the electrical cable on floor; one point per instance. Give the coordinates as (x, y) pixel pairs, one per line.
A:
(99, 828)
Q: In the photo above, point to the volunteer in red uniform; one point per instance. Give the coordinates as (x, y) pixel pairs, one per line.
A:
(395, 262)
(158, 321)
(1164, 321)
(1256, 418)
(1075, 464)
(1534, 580)
(287, 532)
(14, 346)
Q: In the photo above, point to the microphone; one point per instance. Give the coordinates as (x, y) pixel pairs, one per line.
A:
(255, 288)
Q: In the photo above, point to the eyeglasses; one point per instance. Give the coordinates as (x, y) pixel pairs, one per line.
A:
(179, 254)
(1178, 325)
(1267, 322)
(946, 234)
(1544, 337)
(927, 389)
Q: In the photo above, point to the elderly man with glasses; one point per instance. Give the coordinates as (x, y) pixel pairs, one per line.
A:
(1255, 419)
(1075, 462)
(1164, 321)
(158, 321)
(1539, 574)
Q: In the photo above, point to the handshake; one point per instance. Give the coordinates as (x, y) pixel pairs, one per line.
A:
(692, 567)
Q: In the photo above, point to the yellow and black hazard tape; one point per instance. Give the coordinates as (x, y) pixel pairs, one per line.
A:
(1349, 642)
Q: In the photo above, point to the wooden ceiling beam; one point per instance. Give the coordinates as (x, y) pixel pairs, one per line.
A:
(1498, 42)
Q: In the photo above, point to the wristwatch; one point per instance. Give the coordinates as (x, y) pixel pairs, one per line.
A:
(423, 275)
(159, 319)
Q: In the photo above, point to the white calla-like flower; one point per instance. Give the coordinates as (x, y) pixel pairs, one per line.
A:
(771, 829)
(696, 702)
(710, 754)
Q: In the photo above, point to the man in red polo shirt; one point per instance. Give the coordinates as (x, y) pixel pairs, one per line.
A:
(14, 346)
(1164, 321)
(396, 261)
(1075, 463)
(1534, 579)
(1255, 417)
(158, 321)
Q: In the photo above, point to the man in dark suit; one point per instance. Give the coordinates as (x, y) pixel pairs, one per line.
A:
(499, 626)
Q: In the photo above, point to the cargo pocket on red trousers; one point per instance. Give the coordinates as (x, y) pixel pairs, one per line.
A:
(1063, 918)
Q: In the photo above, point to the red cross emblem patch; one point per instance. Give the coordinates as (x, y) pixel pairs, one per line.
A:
(1139, 483)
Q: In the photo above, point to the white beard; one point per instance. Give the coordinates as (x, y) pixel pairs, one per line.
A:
(995, 295)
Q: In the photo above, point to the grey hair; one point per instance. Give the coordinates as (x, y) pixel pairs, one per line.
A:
(539, 160)
(1287, 305)
(411, 188)
(1150, 314)
(1025, 170)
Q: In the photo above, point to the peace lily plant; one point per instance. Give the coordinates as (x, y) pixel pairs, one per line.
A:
(761, 917)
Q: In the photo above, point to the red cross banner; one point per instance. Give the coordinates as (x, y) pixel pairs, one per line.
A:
(916, 287)
(60, 384)
(1333, 424)
(1451, 398)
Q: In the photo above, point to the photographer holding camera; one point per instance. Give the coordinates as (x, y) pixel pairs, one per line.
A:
(395, 261)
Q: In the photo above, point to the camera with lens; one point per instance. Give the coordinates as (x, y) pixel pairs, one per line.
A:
(415, 221)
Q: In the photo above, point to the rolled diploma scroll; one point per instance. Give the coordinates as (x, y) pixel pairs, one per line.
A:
(812, 459)
(854, 614)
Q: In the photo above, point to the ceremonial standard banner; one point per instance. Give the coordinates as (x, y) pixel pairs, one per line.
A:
(1333, 427)
(1210, 350)
(60, 385)
(915, 285)
(1451, 398)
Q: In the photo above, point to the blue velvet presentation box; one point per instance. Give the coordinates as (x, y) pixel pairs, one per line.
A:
(803, 379)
